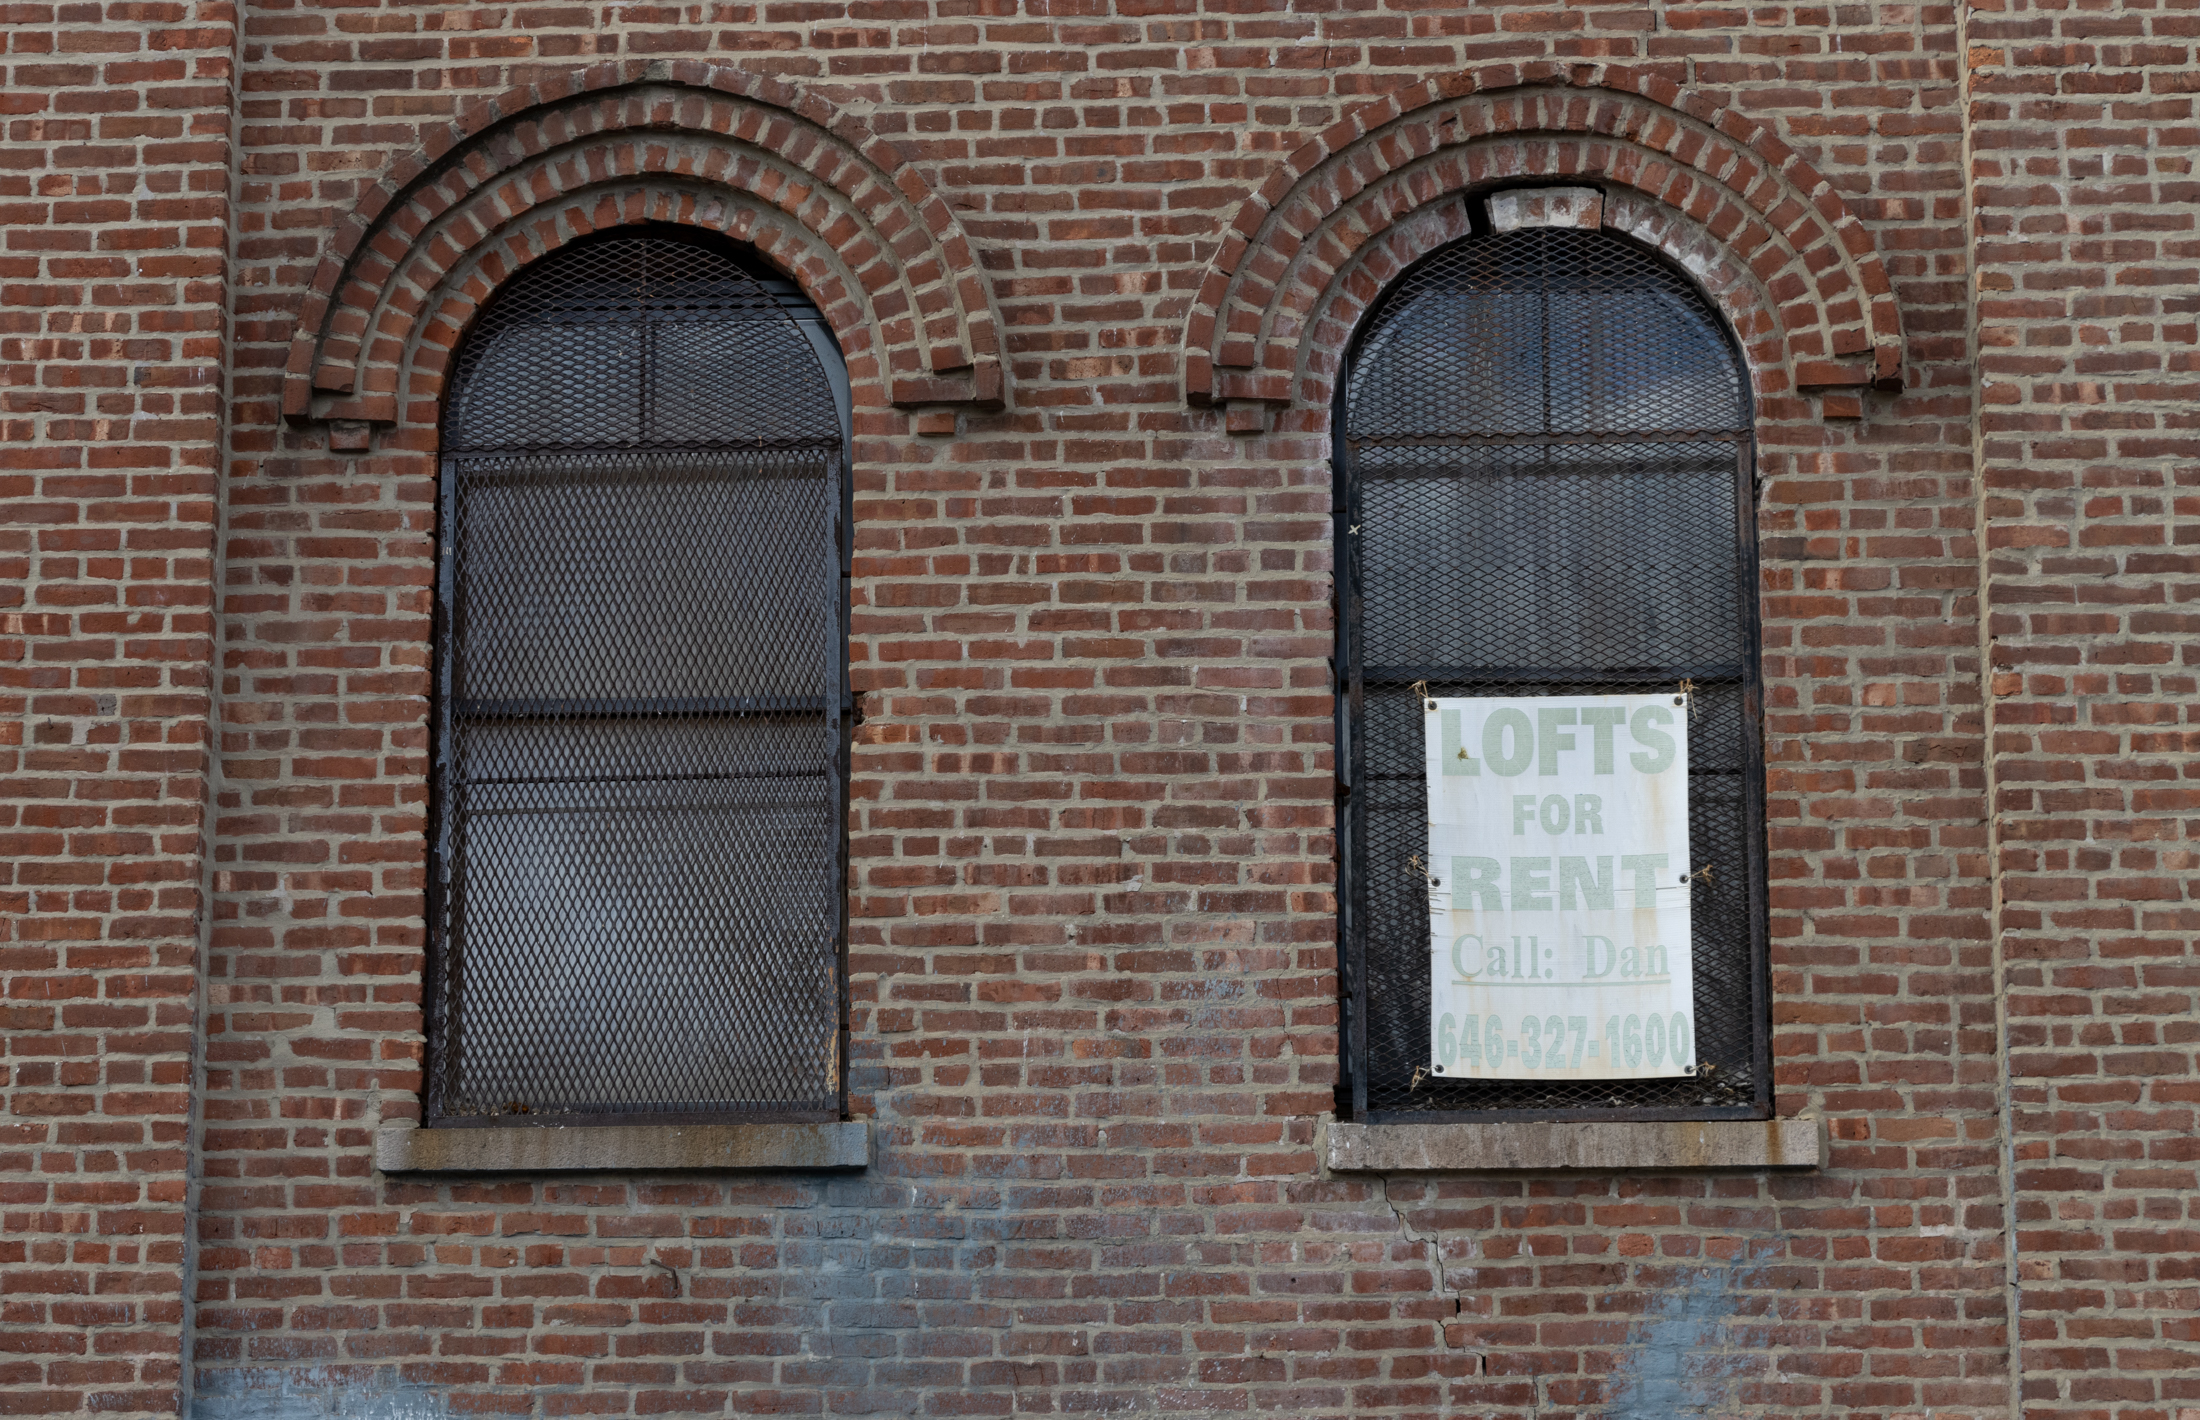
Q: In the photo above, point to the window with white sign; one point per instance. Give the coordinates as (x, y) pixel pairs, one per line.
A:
(1551, 826)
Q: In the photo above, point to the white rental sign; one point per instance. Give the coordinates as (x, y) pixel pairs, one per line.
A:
(1558, 888)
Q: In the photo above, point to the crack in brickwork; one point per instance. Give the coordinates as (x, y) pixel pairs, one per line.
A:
(1439, 1279)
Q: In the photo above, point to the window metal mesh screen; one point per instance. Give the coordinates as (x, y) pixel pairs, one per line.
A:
(636, 897)
(1545, 489)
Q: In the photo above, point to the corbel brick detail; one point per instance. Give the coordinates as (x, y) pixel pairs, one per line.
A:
(1647, 143)
(723, 148)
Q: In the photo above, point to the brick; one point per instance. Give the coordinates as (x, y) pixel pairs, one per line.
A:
(1093, 826)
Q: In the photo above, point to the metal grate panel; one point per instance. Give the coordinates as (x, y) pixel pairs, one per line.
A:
(1545, 489)
(640, 341)
(640, 747)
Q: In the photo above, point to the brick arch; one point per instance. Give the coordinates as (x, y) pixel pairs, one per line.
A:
(457, 294)
(926, 308)
(1370, 270)
(1636, 135)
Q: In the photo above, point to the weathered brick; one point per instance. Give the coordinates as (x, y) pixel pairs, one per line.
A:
(1092, 837)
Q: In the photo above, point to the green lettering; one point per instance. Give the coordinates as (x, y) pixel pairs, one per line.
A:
(1477, 876)
(1531, 884)
(1449, 753)
(1658, 744)
(1574, 879)
(1550, 739)
(1646, 867)
(1493, 741)
(1600, 719)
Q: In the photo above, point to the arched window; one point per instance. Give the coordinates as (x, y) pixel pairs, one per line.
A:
(1544, 484)
(639, 748)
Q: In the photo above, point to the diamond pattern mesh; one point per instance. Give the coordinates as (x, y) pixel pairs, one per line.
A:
(1545, 449)
(638, 766)
(1544, 332)
(640, 341)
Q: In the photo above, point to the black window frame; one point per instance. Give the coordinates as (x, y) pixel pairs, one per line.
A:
(1466, 1101)
(840, 707)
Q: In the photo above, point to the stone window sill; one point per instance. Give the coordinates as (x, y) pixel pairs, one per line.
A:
(406, 1148)
(1607, 1146)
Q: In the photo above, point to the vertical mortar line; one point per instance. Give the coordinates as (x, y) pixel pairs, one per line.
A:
(210, 779)
(2005, 1124)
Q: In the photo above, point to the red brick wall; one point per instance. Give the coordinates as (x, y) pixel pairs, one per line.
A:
(1093, 946)
(1093, 938)
(2088, 271)
(114, 196)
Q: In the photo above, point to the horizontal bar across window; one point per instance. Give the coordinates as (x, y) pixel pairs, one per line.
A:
(1610, 436)
(544, 708)
(459, 453)
(1502, 677)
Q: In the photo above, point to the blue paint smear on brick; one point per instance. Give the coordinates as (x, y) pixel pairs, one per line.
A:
(1684, 1353)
